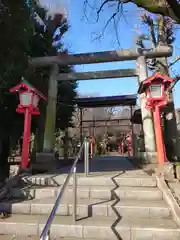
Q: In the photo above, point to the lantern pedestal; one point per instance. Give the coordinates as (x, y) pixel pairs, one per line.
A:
(161, 153)
(45, 162)
(26, 139)
(147, 157)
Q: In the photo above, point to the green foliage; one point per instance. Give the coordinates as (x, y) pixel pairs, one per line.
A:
(22, 36)
(41, 46)
(40, 41)
(15, 30)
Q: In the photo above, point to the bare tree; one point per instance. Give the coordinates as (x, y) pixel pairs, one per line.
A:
(169, 8)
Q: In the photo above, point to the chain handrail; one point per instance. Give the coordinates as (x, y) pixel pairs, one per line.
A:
(46, 230)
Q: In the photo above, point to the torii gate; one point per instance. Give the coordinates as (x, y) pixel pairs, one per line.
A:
(140, 72)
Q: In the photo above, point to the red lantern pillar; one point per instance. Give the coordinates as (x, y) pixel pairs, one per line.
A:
(161, 155)
(119, 148)
(26, 138)
(129, 148)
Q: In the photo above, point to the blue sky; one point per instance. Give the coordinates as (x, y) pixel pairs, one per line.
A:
(82, 35)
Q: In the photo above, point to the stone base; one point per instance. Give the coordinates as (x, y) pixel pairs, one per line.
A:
(166, 171)
(178, 172)
(48, 162)
(45, 162)
(147, 157)
(45, 157)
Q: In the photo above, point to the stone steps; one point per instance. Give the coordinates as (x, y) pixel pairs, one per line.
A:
(94, 192)
(90, 207)
(126, 205)
(15, 237)
(124, 179)
(92, 228)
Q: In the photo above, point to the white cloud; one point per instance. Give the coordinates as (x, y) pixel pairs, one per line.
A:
(56, 6)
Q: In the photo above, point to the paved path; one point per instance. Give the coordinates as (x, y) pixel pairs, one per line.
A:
(104, 164)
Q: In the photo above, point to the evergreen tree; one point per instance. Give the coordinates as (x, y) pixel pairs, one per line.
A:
(22, 36)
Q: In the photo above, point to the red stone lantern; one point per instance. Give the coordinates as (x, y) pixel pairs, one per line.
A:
(155, 88)
(29, 99)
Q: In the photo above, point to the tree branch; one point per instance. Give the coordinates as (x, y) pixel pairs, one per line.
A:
(176, 79)
(175, 6)
(163, 7)
(101, 7)
(147, 20)
(171, 64)
(111, 18)
(169, 8)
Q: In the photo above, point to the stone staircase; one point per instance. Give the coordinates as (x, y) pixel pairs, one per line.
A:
(125, 205)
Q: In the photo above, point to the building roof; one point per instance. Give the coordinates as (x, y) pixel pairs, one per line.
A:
(110, 101)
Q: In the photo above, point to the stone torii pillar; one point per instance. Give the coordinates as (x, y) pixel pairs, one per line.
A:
(50, 123)
(147, 120)
(46, 160)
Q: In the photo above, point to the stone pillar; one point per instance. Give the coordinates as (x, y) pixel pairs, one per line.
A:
(51, 111)
(147, 121)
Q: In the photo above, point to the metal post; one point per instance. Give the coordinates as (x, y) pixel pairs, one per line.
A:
(87, 152)
(48, 236)
(74, 210)
(81, 130)
(94, 133)
(44, 238)
(86, 158)
(132, 135)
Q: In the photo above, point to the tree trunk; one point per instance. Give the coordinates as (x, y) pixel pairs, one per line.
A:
(170, 131)
(41, 127)
(4, 154)
(171, 134)
(66, 144)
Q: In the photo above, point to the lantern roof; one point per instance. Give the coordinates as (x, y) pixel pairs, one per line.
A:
(26, 86)
(157, 77)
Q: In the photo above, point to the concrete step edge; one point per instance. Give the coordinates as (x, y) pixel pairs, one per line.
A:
(16, 237)
(122, 181)
(89, 209)
(86, 202)
(93, 228)
(86, 210)
(91, 192)
(87, 187)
